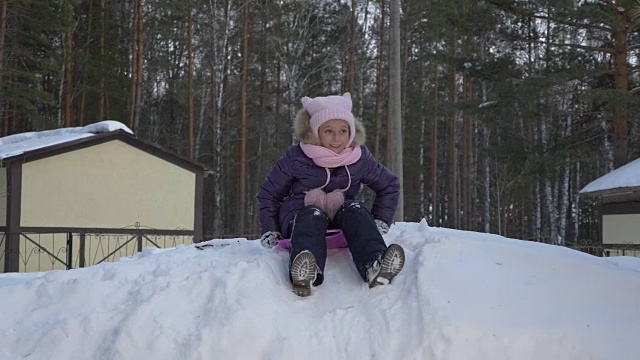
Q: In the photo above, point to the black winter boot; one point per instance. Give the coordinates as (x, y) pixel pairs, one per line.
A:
(361, 232)
(309, 234)
(382, 269)
(303, 273)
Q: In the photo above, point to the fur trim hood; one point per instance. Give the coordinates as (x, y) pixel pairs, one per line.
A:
(302, 130)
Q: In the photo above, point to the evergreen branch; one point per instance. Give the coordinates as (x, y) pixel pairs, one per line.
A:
(577, 46)
(573, 23)
(634, 13)
(608, 2)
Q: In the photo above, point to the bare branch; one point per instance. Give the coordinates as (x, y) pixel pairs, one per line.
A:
(573, 23)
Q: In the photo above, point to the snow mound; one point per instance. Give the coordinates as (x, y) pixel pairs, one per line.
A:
(462, 295)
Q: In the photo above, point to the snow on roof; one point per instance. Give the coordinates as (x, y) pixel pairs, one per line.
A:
(17, 144)
(627, 176)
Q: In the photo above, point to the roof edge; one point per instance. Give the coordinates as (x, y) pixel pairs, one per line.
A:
(142, 144)
(613, 191)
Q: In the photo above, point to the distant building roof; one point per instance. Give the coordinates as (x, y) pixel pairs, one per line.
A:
(36, 145)
(623, 179)
(18, 144)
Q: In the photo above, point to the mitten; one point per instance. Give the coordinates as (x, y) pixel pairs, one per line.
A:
(383, 228)
(268, 239)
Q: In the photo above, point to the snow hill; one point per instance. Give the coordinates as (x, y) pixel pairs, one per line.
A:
(462, 295)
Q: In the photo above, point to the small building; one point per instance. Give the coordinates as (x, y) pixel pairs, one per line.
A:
(619, 205)
(75, 197)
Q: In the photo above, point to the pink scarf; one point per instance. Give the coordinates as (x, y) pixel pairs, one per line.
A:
(326, 158)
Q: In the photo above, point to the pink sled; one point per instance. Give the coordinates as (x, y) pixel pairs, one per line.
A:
(335, 239)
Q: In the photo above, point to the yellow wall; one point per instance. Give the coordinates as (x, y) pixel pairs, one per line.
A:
(621, 229)
(110, 185)
(3, 196)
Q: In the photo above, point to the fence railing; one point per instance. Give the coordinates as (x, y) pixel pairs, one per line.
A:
(59, 251)
(605, 250)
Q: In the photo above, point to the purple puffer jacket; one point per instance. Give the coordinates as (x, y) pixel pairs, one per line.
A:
(282, 193)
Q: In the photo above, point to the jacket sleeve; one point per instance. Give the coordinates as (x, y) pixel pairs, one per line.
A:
(386, 186)
(273, 190)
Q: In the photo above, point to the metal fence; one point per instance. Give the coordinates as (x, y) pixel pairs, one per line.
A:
(59, 251)
(606, 250)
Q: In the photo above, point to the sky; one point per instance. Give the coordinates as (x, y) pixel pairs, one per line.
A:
(461, 295)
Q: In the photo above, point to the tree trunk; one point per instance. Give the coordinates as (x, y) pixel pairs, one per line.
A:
(242, 180)
(67, 88)
(452, 163)
(190, 109)
(378, 106)
(134, 67)
(395, 104)
(88, 54)
(435, 221)
(620, 110)
(103, 29)
(139, 65)
(486, 184)
(3, 31)
(137, 53)
(467, 134)
(278, 106)
(352, 49)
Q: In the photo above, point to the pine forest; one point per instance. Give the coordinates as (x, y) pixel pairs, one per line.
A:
(507, 107)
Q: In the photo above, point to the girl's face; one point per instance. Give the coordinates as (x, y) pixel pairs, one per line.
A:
(334, 135)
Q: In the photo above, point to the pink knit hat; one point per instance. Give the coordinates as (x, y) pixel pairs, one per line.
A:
(325, 108)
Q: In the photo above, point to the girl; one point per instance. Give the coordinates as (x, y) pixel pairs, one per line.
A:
(313, 187)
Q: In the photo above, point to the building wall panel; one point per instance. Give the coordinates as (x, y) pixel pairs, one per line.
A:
(621, 229)
(110, 185)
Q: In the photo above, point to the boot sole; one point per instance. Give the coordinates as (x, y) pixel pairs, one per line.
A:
(391, 264)
(303, 272)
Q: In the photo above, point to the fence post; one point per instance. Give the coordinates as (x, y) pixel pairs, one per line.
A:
(69, 251)
(82, 249)
(12, 253)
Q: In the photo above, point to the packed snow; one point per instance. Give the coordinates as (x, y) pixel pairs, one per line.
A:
(461, 295)
(18, 144)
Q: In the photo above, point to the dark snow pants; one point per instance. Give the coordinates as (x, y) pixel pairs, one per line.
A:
(357, 224)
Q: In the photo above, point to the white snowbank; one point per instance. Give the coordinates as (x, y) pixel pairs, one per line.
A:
(462, 295)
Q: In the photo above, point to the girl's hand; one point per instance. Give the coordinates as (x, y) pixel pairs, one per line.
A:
(268, 239)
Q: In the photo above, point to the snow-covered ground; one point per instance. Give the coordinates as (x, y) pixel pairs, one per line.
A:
(462, 295)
